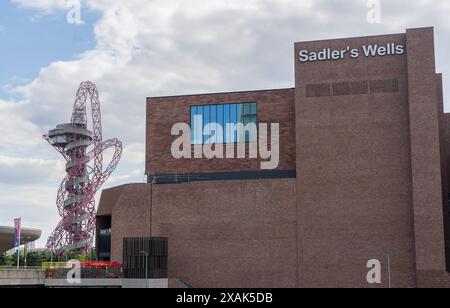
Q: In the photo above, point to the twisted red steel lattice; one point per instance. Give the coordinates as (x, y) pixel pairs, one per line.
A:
(76, 195)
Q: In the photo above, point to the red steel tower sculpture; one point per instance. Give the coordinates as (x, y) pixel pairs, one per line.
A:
(85, 172)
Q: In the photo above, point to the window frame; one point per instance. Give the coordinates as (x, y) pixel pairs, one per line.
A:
(225, 135)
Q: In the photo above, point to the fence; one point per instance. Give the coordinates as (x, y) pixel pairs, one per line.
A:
(20, 268)
(53, 265)
(59, 270)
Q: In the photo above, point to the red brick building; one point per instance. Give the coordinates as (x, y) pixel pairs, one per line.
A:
(362, 175)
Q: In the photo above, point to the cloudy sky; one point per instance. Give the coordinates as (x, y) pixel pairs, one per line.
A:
(138, 48)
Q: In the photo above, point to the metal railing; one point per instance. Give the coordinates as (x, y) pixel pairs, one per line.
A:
(20, 268)
(53, 265)
(86, 273)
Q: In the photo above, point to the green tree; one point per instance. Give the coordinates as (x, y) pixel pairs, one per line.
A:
(3, 260)
(36, 258)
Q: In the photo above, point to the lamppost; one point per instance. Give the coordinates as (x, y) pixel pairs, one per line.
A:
(389, 269)
(145, 253)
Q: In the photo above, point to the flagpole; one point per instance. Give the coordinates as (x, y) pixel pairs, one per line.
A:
(17, 227)
(18, 258)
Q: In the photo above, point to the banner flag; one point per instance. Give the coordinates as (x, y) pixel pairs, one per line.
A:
(17, 223)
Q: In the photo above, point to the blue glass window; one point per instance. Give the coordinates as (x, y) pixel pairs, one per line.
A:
(220, 124)
(225, 120)
(213, 126)
(247, 116)
(197, 124)
(234, 122)
(206, 121)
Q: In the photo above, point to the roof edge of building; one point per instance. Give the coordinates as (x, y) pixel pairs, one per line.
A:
(220, 93)
(360, 36)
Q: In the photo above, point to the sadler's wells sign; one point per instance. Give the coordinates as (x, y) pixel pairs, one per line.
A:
(373, 50)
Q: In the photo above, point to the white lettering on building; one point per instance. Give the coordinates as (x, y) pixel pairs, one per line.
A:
(372, 50)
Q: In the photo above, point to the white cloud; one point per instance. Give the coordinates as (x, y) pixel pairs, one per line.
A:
(135, 153)
(128, 178)
(36, 205)
(16, 130)
(153, 48)
(22, 171)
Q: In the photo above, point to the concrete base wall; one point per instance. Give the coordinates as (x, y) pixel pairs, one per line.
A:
(110, 283)
(142, 284)
(13, 277)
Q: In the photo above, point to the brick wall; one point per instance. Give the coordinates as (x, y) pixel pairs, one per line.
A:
(221, 234)
(274, 106)
(369, 156)
(433, 279)
(354, 193)
(425, 151)
(131, 216)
